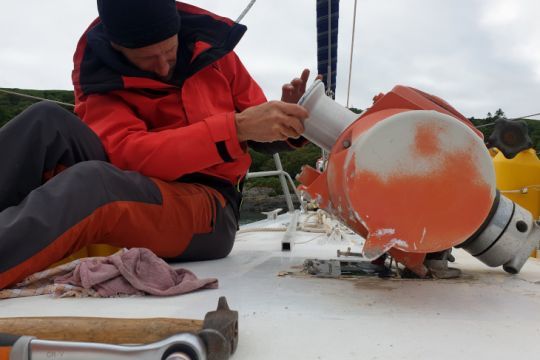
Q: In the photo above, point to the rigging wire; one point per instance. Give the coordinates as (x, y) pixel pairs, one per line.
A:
(513, 119)
(36, 98)
(527, 116)
(352, 51)
(246, 10)
(484, 125)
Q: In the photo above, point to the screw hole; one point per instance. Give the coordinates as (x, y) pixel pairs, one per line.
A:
(522, 226)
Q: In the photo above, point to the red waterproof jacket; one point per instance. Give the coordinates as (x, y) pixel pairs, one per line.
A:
(184, 126)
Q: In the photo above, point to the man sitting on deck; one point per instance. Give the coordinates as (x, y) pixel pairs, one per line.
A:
(158, 161)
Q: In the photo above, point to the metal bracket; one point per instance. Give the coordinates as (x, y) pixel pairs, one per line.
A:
(272, 215)
(288, 239)
(349, 253)
(337, 268)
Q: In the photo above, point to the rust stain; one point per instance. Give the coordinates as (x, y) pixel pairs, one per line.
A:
(371, 284)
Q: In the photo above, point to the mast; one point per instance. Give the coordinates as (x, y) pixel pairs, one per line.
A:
(327, 41)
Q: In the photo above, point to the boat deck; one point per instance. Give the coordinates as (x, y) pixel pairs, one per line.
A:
(485, 314)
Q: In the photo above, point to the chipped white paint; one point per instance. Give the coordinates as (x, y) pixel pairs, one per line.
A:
(359, 218)
(375, 252)
(424, 232)
(388, 148)
(398, 243)
(382, 232)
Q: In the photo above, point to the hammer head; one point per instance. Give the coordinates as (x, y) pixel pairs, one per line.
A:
(224, 321)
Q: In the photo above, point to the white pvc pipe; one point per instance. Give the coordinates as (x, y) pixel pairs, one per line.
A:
(327, 119)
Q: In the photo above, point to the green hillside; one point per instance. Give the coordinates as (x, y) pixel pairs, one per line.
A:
(11, 105)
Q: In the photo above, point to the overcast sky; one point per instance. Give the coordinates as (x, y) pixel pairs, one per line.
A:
(478, 55)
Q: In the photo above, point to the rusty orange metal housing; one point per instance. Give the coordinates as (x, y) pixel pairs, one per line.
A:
(423, 190)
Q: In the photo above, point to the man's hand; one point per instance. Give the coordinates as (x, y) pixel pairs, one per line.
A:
(276, 120)
(293, 91)
(271, 121)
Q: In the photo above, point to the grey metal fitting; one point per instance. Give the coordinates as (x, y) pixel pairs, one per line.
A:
(507, 238)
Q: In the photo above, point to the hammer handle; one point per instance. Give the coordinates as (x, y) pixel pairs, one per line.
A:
(100, 330)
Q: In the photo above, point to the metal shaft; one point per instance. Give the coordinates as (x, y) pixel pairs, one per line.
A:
(179, 347)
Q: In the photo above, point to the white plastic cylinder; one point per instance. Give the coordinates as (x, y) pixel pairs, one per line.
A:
(327, 119)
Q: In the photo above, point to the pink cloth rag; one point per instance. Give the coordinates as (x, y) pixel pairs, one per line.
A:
(137, 271)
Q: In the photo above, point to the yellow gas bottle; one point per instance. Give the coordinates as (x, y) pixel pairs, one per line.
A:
(90, 250)
(102, 250)
(519, 179)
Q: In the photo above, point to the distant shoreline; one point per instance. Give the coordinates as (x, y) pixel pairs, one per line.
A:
(259, 199)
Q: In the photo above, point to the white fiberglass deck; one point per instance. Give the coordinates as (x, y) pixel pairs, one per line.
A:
(485, 314)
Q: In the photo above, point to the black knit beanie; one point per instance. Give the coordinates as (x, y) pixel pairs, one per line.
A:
(138, 23)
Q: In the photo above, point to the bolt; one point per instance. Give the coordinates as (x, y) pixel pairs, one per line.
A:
(346, 144)
(522, 226)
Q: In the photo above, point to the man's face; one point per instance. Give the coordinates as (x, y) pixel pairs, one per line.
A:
(158, 58)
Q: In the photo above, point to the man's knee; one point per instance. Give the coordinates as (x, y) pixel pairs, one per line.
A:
(45, 110)
(46, 107)
(44, 114)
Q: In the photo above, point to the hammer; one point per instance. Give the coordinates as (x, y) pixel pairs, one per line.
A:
(218, 334)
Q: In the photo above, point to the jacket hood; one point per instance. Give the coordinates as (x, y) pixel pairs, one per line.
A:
(203, 38)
